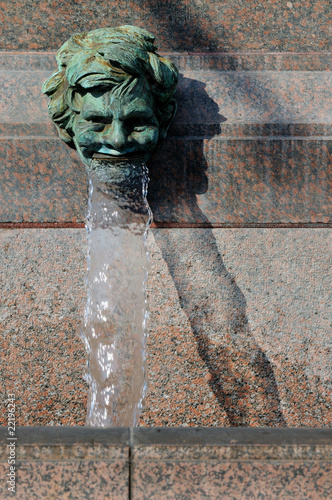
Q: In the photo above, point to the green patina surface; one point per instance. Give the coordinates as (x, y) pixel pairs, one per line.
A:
(112, 93)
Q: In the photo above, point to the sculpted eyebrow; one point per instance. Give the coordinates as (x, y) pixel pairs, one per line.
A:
(139, 113)
(93, 114)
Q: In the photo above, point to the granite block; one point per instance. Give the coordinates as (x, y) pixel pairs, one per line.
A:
(185, 25)
(67, 442)
(250, 61)
(169, 463)
(257, 304)
(184, 480)
(42, 301)
(41, 180)
(67, 462)
(262, 442)
(242, 181)
(231, 463)
(207, 96)
(21, 97)
(239, 331)
(267, 180)
(77, 480)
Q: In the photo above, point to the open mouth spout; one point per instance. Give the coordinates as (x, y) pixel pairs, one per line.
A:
(119, 157)
(107, 153)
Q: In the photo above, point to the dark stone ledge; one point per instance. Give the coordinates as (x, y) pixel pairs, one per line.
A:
(302, 440)
(231, 436)
(46, 436)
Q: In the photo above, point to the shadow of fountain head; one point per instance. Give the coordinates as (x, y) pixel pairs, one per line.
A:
(178, 166)
(197, 114)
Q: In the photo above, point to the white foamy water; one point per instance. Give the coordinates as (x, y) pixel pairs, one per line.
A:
(114, 329)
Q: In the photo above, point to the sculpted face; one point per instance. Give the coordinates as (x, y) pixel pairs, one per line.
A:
(112, 93)
(116, 123)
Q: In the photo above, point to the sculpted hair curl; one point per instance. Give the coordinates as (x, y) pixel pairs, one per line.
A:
(106, 58)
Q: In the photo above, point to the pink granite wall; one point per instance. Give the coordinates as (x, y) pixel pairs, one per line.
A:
(240, 251)
(250, 144)
(238, 332)
(181, 25)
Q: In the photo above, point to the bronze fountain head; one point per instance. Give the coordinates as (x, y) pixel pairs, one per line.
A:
(112, 94)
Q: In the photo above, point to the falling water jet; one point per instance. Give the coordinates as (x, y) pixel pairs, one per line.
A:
(111, 99)
(114, 329)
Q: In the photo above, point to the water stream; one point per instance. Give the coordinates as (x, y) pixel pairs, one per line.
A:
(114, 330)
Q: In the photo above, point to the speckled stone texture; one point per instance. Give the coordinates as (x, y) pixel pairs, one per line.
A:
(239, 327)
(233, 464)
(182, 25)
(173, 463)
(68, 463)
(42, 290)
(240, 323)
(207, 94)
(251, 143)
(255, 304)
(217, 181)
(265, 180)
(43, 181)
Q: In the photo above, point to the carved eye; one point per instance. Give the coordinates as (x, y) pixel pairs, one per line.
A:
(140, 128)
(138, 123)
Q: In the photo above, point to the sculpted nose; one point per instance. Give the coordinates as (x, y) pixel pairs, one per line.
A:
(115, 135)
